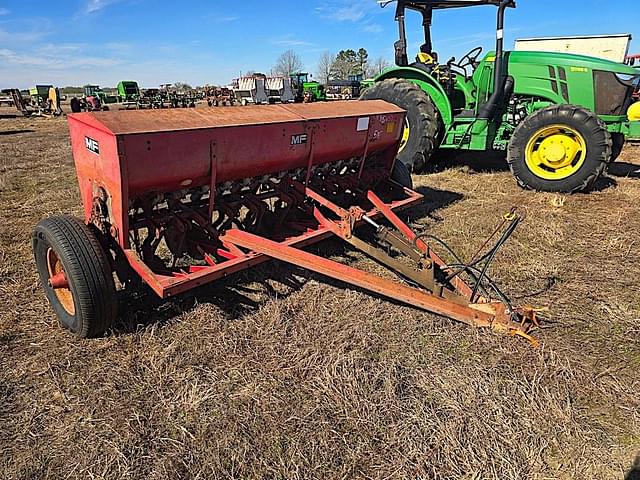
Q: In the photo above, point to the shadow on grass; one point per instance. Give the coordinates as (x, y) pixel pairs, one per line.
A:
(15, 132)
(624, 170)
(478, 162)
(634, 471)
(238, 295)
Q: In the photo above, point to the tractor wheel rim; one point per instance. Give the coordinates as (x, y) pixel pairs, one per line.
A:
(406, 131)
(555, 152)
(634, 112)
(63, 294)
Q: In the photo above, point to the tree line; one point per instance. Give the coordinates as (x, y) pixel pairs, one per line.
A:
(341, 66)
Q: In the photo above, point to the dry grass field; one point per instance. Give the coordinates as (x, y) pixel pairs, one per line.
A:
(277, 373)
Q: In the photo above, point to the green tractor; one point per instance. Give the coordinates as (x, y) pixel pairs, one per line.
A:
(561, 118)
(307, 91)
(94, 91)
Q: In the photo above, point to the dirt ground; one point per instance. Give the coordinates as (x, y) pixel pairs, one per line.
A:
(277, 373)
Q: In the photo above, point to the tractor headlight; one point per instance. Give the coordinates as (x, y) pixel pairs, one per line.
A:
(628, 79)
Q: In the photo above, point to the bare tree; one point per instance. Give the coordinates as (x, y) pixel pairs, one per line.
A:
(377, 66)
(325, 67)
(289, 62)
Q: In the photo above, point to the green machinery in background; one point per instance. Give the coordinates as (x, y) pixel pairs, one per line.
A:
(39, 94)
(96, 91)
(43, 100)
(303, 87)
(128, 91)
(561, 118)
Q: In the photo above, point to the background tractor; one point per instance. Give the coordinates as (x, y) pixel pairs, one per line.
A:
(306, 90)
(561, 118)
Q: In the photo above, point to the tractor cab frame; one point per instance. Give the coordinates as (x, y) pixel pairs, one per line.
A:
(426, 8)
(427, 59)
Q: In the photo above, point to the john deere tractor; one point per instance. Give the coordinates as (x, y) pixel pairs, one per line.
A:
(561, 118)
(306, 90)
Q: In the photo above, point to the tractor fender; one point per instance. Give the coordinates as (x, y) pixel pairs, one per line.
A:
(428, 84)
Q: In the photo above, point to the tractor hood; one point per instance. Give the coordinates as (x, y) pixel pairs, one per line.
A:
(572, 60)
(599, 85)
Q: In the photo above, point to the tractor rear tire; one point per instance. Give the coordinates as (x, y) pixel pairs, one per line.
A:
(422, 118)
(75, 105)
(401, 175)
(568, 122)
(86, 303)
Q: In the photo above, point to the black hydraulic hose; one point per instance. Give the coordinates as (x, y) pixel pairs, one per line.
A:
(449, 250)
(473, 270)
(492, 253)
(476, 274)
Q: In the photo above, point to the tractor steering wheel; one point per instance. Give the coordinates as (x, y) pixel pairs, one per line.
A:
(470, 58)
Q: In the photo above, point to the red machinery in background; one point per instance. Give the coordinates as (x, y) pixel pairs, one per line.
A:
(180, 198)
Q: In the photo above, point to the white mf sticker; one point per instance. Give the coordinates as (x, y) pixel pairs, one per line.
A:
(92, 145)
(363, 124)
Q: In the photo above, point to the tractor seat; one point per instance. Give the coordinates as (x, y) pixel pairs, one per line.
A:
(422, 66)
(426, 61)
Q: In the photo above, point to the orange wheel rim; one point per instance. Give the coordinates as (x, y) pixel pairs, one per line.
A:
(64, 295)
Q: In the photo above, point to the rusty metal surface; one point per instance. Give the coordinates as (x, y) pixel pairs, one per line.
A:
(165, 120)
(166, 286)
(333, 109)
(488, 315)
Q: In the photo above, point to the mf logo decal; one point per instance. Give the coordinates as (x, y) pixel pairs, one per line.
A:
(92, 145)
(299, 139)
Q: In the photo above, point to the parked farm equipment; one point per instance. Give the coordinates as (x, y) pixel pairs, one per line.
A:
(45, 101)
(151, 98)
(561, 118)
(345, 89)
(92, 92)
(180, 198)
(280, 89)
(251, 89)
(128, 91)
(306, 90)
(219, 96)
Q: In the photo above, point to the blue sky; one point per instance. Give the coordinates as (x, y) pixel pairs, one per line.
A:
(74, 42)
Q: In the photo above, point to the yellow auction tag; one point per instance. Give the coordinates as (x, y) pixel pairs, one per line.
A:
(391, 127)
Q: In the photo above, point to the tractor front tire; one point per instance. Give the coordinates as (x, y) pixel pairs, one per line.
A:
(561, 148)
(422, 121)
(76, 275)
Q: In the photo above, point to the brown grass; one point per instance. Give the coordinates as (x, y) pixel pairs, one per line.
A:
(276, 373)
